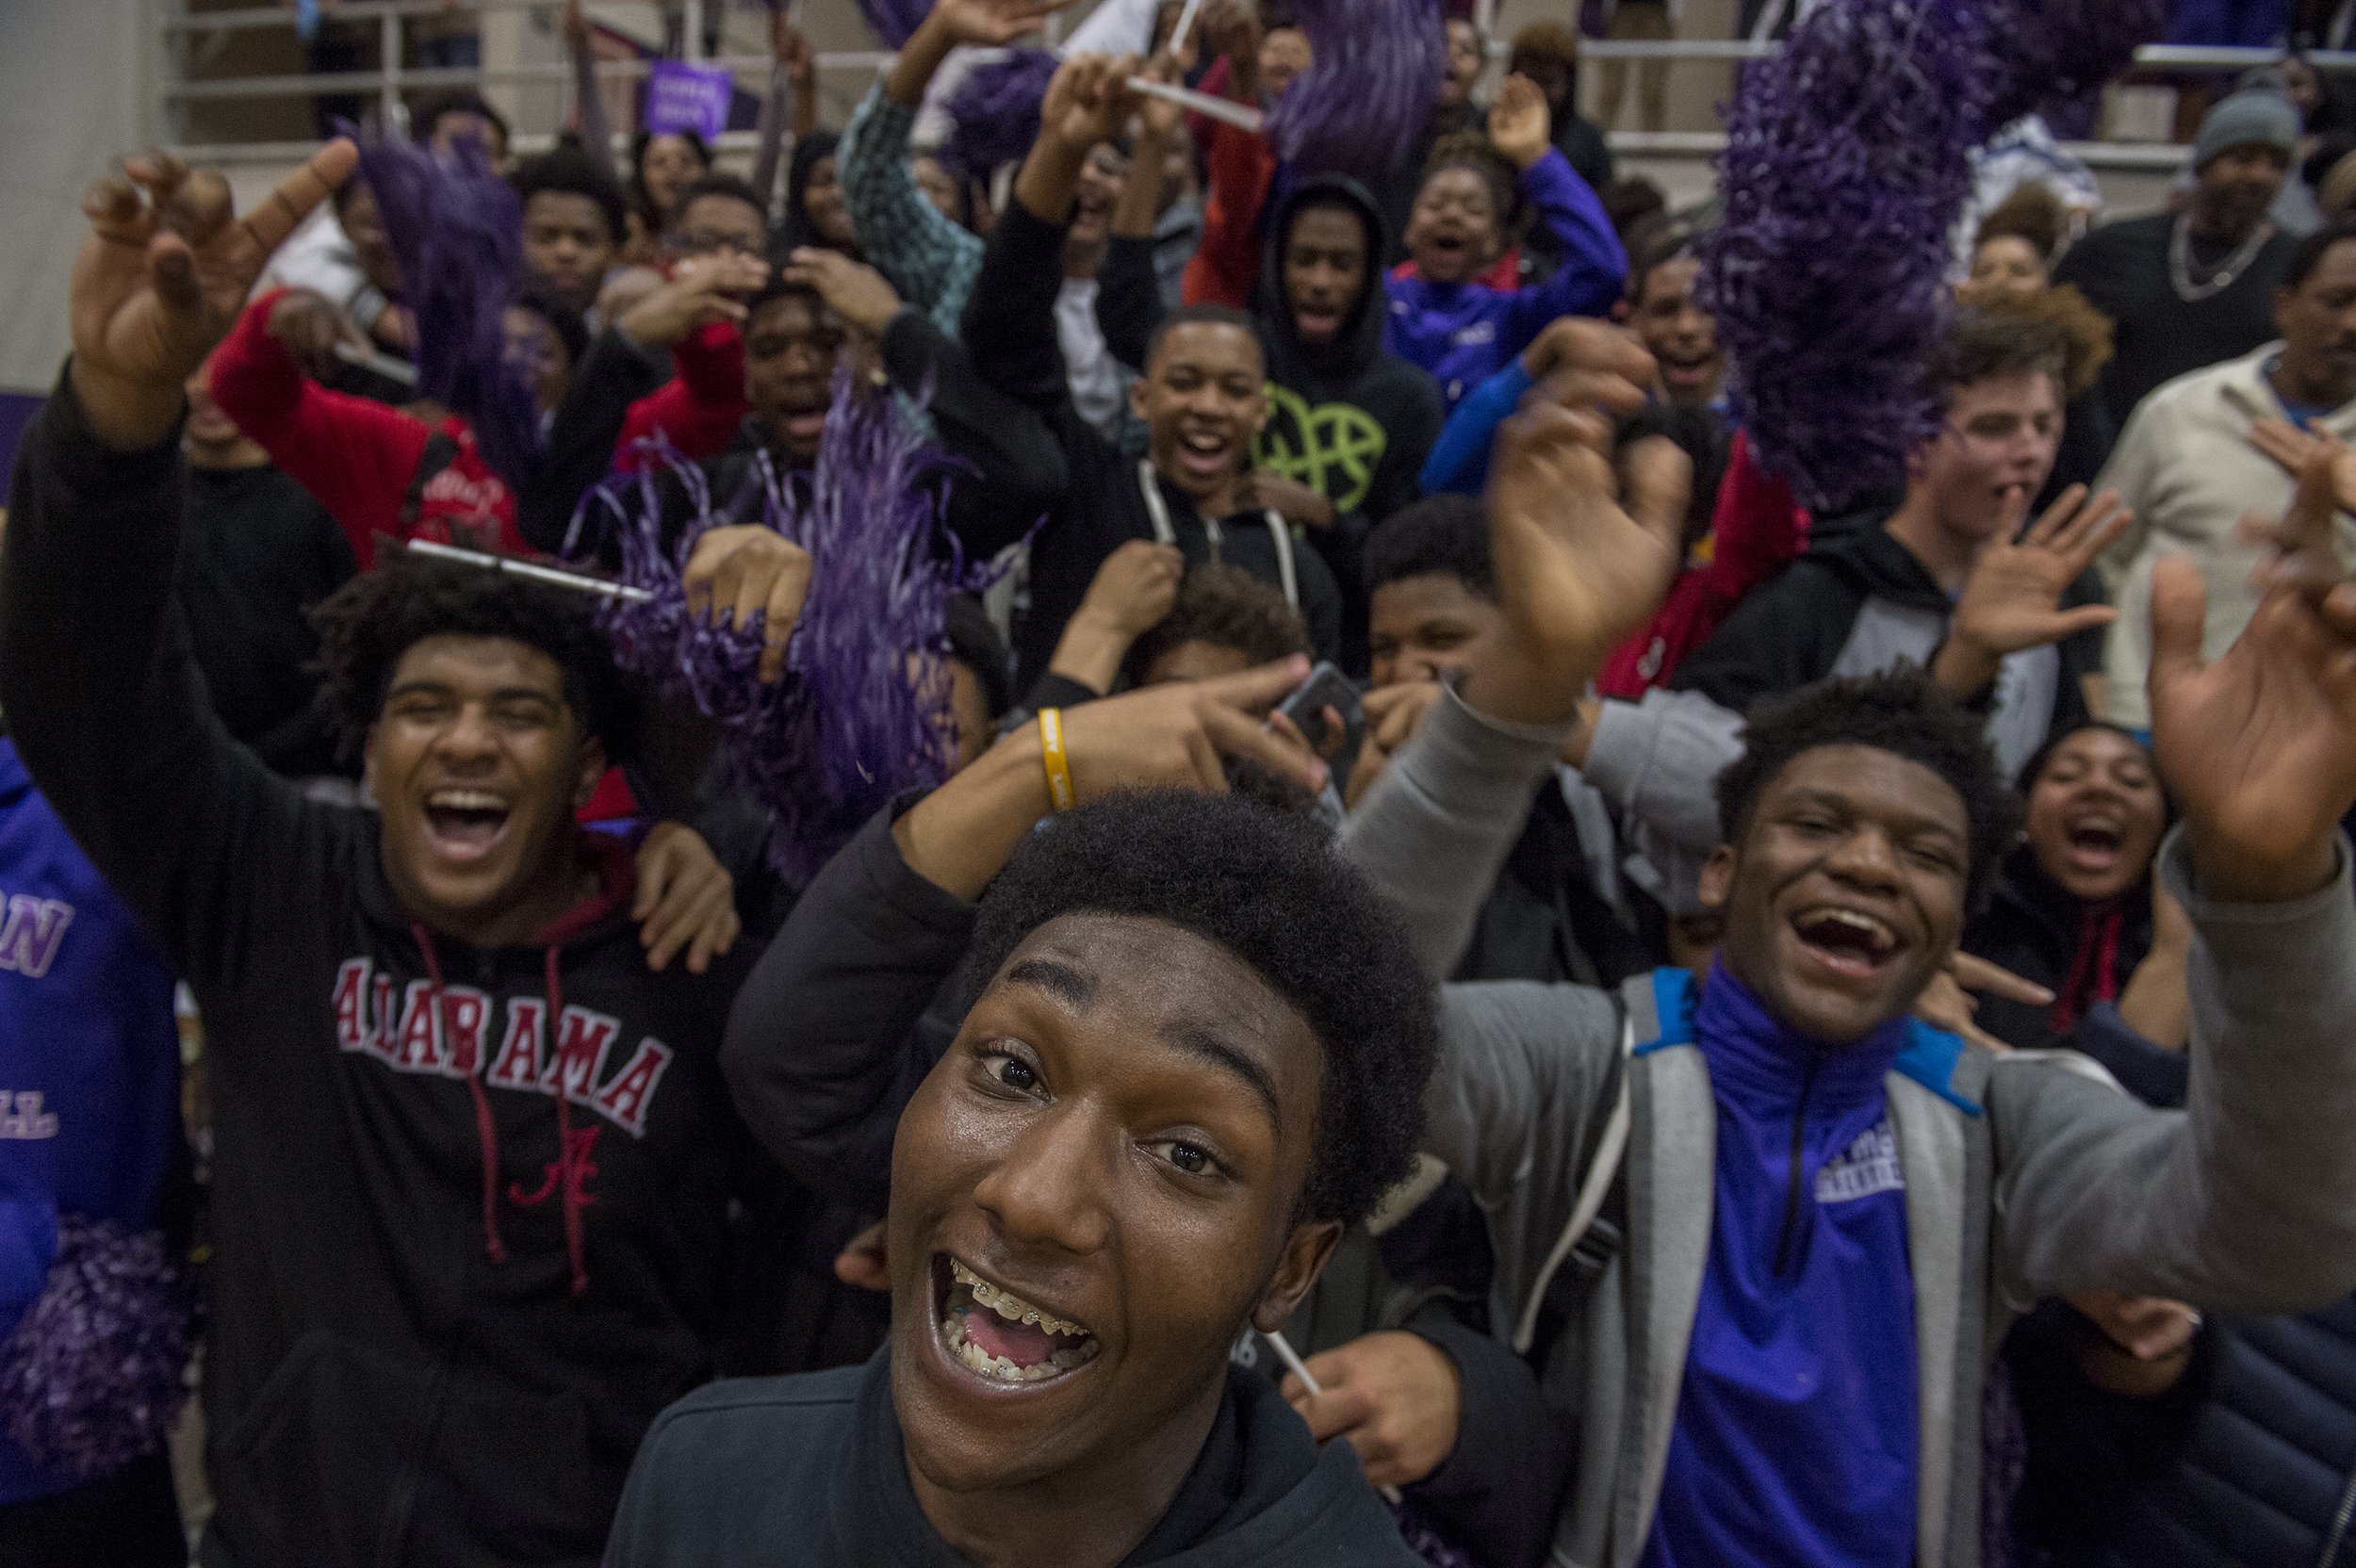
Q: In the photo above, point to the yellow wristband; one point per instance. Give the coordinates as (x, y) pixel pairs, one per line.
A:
(1050, 752)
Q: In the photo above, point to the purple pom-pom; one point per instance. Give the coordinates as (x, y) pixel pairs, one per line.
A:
(457, 231)
(94, 1373)
(995, 112)
(2057, 51)
(896, 21)
(862, 719)
(1374, 74)
(1847, 160)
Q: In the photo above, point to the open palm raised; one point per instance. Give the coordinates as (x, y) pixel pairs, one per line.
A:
(1579, 567)
(163, 275)
(2260, 747)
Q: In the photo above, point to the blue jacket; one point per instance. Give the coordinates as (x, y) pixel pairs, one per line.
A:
(90, 1063)
(1464, 332)
(1803, 1339)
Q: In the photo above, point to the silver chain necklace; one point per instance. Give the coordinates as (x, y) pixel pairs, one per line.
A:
(2179, 261)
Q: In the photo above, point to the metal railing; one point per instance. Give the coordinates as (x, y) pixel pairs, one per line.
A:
(392, 78)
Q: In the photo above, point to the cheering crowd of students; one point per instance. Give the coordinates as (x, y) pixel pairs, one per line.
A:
(1436, 971)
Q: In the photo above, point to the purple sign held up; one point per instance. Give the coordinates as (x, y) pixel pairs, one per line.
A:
(684, 97)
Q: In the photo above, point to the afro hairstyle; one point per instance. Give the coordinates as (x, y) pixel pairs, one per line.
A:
(1229, 608)
(1437, 536)
(1267, 888)
(1901, 712)
(367, 626)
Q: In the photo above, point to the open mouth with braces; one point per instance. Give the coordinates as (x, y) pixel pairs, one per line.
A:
(999, 1336)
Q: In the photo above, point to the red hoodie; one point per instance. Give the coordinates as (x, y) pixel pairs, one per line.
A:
(1241, 167)
(699, 410)
(357, 456)
(1755, 529)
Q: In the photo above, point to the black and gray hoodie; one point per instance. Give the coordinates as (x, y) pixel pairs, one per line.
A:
(1857, 602)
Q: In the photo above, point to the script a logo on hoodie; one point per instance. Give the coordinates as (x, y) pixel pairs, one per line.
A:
(410, 1038)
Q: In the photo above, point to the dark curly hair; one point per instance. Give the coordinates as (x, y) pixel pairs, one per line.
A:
(572, 170)
(1266, 887)
(1473, 150)
(1437, 536)
(1901, 712)
(367, 626)
(1229, 608)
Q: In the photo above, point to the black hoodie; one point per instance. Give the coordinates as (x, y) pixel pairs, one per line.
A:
(445, 1305)
(1003, 406)
(809, 1470)
(1860, 604)
(1349, 421)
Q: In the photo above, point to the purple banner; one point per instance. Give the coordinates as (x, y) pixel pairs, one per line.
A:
(684, 97)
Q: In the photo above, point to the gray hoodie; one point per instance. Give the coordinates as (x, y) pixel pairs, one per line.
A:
(2026, 1176)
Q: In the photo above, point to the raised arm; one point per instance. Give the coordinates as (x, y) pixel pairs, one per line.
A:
(1010, 323)
(102, 694)
(2245, 1200)
(596, 127)
(793, 95)
(1576, 571)
(1018, 473)
(1594, 264)
(620, 369)
(822, 1050)
(1129, 287)
(355, 455)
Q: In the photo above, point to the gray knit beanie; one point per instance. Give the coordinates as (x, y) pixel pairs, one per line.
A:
(2252, 118)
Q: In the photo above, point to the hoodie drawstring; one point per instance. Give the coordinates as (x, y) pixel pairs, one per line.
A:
(2094, 972)
(485, 1130)
(568, 1160)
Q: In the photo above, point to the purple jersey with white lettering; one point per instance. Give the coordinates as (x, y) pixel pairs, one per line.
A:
(89, 1062)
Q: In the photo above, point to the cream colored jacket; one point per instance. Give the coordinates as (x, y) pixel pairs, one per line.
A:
(2185, 464)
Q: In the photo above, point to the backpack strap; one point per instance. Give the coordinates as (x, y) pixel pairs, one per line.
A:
(440, 453)
(1598, 1223)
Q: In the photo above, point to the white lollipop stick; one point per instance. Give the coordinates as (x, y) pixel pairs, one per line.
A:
(1186, 26)
(1299, 1369)
(1202, 103)
(579, 582)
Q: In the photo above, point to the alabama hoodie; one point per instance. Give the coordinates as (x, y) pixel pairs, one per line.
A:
(810, 1470)
(469, 1205)
(1348, 419)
